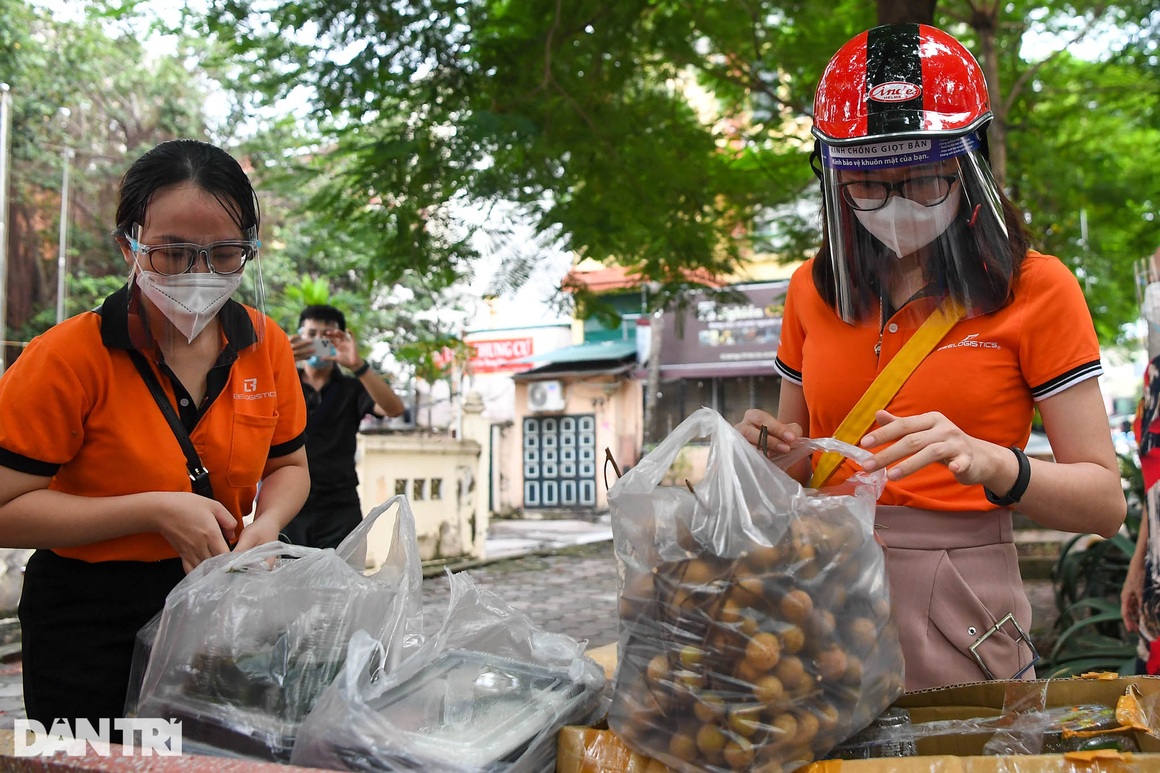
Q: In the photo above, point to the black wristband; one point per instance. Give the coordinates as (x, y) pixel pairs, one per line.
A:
(362, 370)
(1021, 481)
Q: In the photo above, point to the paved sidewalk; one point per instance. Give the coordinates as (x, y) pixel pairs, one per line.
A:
(508, 538)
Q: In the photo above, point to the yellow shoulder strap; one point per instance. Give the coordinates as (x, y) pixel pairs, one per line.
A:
(887, 384)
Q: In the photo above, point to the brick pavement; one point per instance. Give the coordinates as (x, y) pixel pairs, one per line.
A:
(571, 591)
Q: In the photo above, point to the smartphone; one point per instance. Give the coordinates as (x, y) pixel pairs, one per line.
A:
(324, 348)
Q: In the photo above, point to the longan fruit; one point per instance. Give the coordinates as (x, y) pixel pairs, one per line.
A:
(783, 728)
(709, 708)
(807, 728)
(838, 595)
(730, 612)
(768, 689)
(696, 571)
(763, 651)
(790, 671)
(711, 740)
(683, 747)
(680, 601)
(821, 624)
(792, 640)
(803, 689)
(854, 671)
(689, 680)
(690, 656)
(863, 634)
(750, 589)
(655, 701)
(828, 716)
(658, 668)
(796, 606)
(739, 753)
(745, 720)
(765, 558)
(749, 626)
(831, 664)
(637, 724)
(747, 672)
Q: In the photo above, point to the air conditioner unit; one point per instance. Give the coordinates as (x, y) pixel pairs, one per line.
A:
(545, 396)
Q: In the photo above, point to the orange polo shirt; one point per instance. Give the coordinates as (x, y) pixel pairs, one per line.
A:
(985, 375)
(74, 407)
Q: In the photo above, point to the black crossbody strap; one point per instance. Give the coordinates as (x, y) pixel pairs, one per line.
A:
(198, 474)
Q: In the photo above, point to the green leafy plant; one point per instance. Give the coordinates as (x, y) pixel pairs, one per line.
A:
(1089, 634)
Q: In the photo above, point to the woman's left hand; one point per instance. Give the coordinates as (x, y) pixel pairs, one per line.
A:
(257, 533)
(913, 442)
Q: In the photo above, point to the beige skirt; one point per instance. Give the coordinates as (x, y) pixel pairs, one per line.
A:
(957, 595)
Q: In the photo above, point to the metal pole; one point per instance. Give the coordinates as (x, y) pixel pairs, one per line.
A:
(62, 256)
(5, 139)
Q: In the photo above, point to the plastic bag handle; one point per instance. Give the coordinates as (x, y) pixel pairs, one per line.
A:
(352, 550)
(353, 547)
(803, 447)
(651, 470)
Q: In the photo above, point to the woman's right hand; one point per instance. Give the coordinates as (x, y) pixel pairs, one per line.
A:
(197, 527)
(779, 435)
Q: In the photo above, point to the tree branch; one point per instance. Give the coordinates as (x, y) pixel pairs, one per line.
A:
(1030, 72)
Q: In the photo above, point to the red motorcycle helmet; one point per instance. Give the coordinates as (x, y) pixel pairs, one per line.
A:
(900, 81)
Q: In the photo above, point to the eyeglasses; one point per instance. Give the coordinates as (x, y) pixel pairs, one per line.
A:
(225, 257)
(869, 195)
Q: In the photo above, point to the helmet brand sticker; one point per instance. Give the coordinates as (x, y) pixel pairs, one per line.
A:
(895, 91)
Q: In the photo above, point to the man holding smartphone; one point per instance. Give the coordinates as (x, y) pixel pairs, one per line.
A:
(335, 406)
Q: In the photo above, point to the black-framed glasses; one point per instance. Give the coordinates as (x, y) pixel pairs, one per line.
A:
(869, 195)
(224, 257)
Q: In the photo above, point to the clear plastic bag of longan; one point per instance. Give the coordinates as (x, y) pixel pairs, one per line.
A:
(755, 629)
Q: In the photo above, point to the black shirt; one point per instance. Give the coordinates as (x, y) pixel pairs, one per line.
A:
(332, 420)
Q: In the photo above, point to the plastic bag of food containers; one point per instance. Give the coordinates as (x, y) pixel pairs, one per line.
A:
(755, 624)
(488, 692)
(248, 641)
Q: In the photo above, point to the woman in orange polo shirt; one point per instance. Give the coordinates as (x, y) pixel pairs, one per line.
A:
(93, 474)
(915, 228)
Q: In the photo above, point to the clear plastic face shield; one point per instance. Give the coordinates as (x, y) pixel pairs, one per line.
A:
(910, 222)
(181, 285)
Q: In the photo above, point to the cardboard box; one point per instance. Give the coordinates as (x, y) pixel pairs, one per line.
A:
(587, 750)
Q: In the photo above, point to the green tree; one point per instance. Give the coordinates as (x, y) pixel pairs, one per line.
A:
(121, 97)
(650, 134)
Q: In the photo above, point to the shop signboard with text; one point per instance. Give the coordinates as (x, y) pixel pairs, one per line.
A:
(713, 338)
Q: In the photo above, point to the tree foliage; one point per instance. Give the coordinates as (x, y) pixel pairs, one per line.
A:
(120, 99)
(664, 136)
(660, 135)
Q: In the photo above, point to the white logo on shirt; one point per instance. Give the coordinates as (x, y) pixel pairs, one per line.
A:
(250, 391)
(971, 342)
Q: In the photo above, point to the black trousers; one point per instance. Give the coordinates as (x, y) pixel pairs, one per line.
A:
(322, 526)
(78, 625)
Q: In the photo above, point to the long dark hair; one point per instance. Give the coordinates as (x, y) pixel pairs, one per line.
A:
(177, 161)
(990, 279)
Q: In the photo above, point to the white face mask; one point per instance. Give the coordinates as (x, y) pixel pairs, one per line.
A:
(1151, 306)
(189, 301)
(906, 226)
